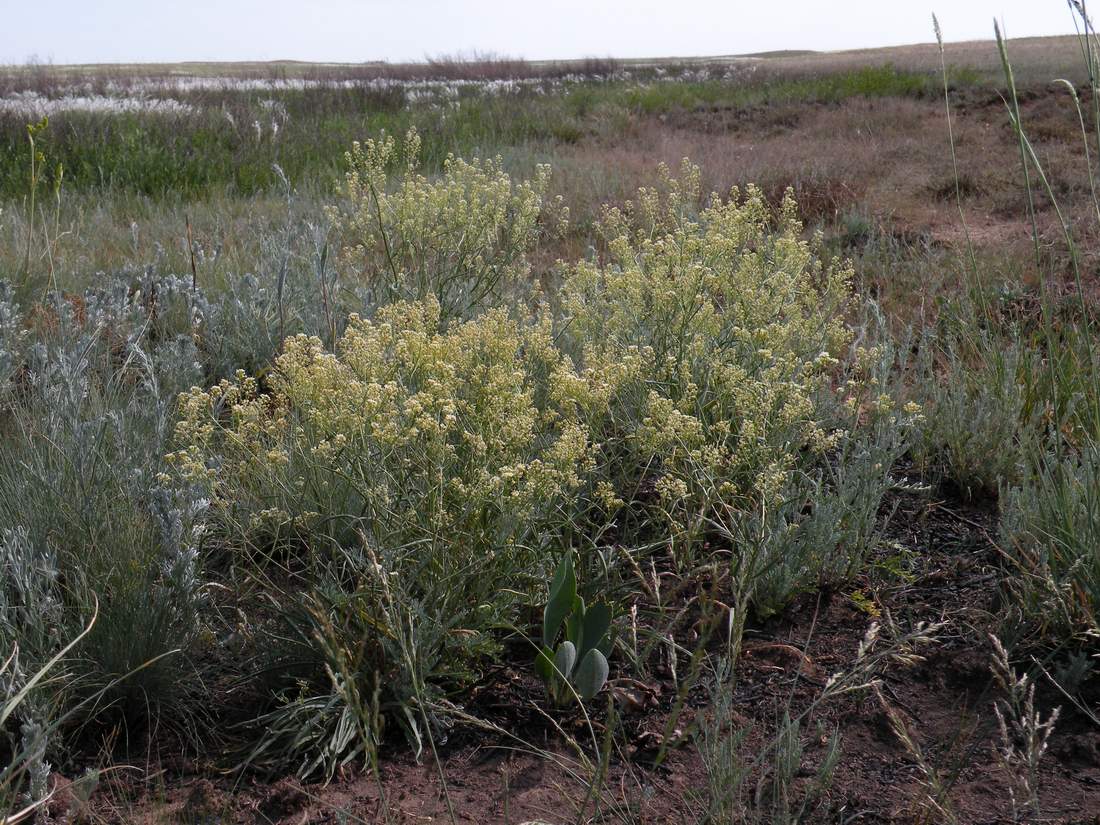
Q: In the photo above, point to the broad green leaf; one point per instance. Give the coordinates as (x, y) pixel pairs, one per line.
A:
(597, 621)
(591, 674)
(564, 659)
(544, 664)
(574, 625)
(563, 590)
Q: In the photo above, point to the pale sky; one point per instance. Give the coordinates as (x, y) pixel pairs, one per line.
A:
(111, 31)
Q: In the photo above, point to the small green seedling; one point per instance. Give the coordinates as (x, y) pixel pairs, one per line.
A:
(578, 667)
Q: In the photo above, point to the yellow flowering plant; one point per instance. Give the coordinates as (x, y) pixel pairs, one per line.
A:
(704, 339)
(405, 432)
(462, 238)
(419, 480)
(432, 465)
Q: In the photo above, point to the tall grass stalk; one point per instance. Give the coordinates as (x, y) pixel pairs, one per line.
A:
(1045, 516)
(975, 270)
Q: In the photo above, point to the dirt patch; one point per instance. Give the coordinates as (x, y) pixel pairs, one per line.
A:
(884, 159)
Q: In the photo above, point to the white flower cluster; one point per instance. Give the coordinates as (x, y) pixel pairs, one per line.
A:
(33, 105)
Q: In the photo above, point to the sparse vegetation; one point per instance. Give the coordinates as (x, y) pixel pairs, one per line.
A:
(359, 418)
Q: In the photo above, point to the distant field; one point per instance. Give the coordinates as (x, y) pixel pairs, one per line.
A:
(1030, 54)
(859, 135)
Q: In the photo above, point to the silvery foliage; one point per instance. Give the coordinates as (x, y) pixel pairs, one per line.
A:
(830, 517)
(33, 746)
(178, 514)
(89, 385)
(828, 520)
(100, 379)
(92, 414)
(294, 289)
(29, 599)
(12, 334)
(30, 615)
(240, 329)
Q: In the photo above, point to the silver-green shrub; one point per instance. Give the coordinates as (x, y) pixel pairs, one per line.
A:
(978, 411)
(93, 523)
(1051, 527)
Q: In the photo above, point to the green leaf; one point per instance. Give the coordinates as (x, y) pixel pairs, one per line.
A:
(564, 578)
(544, 664)
(591, 674)
(563, 590)
(574, 625)
(597, 621)
(564, 659)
